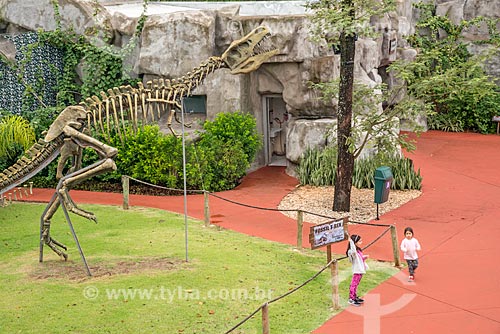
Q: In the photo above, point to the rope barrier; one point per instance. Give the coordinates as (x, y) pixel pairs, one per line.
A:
(164, 188)
(252, 206)
(244, 320)
(292, 210)
(378, 238)
(246, 205)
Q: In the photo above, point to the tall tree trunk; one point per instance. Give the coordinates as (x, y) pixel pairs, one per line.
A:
(345, 159)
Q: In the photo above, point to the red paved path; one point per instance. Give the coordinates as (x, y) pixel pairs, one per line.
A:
(457, 221)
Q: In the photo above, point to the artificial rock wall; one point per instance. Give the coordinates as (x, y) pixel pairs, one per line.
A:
(179, 36)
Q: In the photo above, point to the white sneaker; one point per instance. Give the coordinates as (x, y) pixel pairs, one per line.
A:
(354, 302)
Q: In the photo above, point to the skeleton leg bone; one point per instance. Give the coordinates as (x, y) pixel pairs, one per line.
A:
(69, 181)
(55, 245)
(73, 148)
(63, 188)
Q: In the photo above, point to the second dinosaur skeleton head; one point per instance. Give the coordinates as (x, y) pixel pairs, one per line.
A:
(248, 53)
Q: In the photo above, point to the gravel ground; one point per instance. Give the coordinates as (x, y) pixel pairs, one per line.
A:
(319, 200)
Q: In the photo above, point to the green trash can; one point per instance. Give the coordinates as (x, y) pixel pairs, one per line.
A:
(383, 180)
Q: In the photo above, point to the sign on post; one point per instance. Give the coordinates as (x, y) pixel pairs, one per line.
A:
(327, 233)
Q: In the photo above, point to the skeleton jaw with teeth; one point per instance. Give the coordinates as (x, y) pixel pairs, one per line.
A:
(248, 53)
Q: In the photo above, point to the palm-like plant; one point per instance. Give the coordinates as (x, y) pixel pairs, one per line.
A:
(15, 130)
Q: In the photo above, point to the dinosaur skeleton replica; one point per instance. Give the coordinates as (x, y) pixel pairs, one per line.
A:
(69, 133)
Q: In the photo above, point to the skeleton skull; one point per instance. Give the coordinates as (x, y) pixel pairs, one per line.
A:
(248, 53)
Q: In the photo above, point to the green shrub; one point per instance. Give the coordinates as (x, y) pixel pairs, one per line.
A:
(404, 175)
(232, 128)
(318, 167)
(217, 161)
(225, 163)
(225, 151)
(447, 77)
(15, 130)
(151, 156)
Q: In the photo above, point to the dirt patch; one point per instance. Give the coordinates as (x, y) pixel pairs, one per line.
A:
(75, 270)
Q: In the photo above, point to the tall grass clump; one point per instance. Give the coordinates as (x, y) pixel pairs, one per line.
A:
(318, 168)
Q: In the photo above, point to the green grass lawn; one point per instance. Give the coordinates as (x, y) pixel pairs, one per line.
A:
(142, 284)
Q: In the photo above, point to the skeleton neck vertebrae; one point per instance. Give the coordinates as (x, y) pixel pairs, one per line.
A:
(114, 110)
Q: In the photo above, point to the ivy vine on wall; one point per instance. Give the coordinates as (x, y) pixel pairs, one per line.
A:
(45, 73)
(32, 82)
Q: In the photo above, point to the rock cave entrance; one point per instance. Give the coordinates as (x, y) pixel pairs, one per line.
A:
(275, 126)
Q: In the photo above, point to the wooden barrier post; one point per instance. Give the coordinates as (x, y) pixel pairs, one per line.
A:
(300, 224)
(328, 253)
(395, 246)
(20, 192)
(335, 277)
(26, 190)
(125, 186)
(31, 188)
(10, 198)
(206, 208)
(15, 194)
(265, 319)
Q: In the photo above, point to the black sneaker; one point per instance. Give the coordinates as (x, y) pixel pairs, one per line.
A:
(354, 302)
(360, 300)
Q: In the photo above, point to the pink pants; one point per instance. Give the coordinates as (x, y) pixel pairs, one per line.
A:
(356, 278)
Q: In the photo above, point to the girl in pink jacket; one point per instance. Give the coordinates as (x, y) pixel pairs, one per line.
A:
(359, 266)
(410, 246)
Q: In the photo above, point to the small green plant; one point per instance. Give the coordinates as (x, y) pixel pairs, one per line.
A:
(317, 167)
(444, 122)
(15, 130)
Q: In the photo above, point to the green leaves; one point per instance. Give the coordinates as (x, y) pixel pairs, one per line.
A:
(447, 78)
(217, 161)
(373, 127)
(151, 156)
(331, 17)
(15, 130)
(229, 145)
(235, 127)
(318, 168)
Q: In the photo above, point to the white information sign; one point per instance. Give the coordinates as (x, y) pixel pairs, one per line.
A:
(327, 233)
